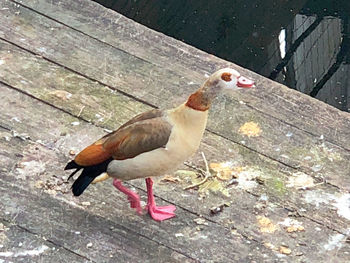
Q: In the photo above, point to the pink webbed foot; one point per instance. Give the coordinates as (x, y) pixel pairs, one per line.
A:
(133, 197)
(158, 213)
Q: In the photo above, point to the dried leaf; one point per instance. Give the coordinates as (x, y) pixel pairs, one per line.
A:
(285, 250)
(265, 224)
(223, 170)
(294, 228)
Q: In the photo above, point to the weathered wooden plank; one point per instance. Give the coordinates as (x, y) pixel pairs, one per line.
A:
(75, 229)
(19, 245)
(276, 100)
(92, 101)
(240, 216)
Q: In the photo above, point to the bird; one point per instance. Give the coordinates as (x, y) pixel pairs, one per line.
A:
(152, 144)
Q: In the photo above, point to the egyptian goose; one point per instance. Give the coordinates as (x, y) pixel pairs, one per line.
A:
(153, 143)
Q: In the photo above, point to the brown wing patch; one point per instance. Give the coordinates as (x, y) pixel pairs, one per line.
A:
(128, 140)
(155, 113)
(92, 155)
(138, 138)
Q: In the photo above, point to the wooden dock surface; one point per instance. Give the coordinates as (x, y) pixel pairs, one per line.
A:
(72, 70)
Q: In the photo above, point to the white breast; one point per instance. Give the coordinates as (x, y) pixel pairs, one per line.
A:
(187, 132)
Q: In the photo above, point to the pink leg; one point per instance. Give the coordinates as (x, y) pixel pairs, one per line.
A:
(132, 196)
(158, 213)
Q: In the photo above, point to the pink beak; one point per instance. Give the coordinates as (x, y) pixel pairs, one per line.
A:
(243, 82)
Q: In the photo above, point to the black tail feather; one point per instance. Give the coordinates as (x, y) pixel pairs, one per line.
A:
(72, 165)
(87, 176)
(74, 172)
(82, 182)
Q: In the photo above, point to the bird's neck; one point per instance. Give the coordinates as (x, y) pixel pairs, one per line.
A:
(188, 118)
(201, 100)
(198, 101)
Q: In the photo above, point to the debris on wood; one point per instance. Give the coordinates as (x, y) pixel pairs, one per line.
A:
(39, 184)
(16, 119)
(81, 110)
(171, 179)
(72, 152)
(250, 129)
(30, 167)
(281, 249)
(335, 242)
(206, 174)
(22, 136)
(6, 135)
(285, 250)
(265, 225)
(61, 94)
(300, 180)
(269, 246)
(89, 245)
(292, 225)
(223, 170)
(217, 209)
(342, 203)
(219, 176)
(293, 228)
(200, 221)
(75, 123)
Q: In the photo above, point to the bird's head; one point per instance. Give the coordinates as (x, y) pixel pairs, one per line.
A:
(226, 79)
(229, 79)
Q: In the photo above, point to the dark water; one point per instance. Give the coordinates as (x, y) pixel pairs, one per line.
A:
(302, 44)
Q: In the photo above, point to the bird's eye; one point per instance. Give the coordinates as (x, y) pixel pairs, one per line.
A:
(226, 76)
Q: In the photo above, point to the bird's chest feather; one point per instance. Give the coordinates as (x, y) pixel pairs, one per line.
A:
(184, 140)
